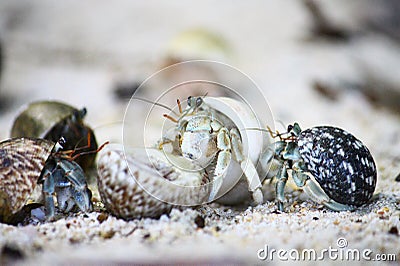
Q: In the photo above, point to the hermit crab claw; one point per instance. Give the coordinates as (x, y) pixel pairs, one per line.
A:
(316, 193)
(80, 193)
(246, 147)
(216, 186)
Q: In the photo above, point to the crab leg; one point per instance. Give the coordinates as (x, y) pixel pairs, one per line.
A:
(315, 192)
(282, 178)
(48, 191)
(223, 160)
(247, 166)
(74, 174)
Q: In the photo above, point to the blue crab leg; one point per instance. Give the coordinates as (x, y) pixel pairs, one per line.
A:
(282, 178)
(48, 191)
(79, 191)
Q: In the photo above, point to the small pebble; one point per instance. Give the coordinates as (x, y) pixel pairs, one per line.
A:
(107, 234)
(75, 239)
(199, 221)
(394, 231)
(102, 217)
(11, 253)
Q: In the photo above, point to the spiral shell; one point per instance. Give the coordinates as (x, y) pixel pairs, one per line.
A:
(234, 113)
(145, 184)
(21, 163)
(243, 118)
(340, 163)
(52, 120)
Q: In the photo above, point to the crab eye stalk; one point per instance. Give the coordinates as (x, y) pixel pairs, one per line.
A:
(61, 141)
(296, 129)
(82, 112)
(59, 145)
(199, 101)
(189, 101)
(194, 101)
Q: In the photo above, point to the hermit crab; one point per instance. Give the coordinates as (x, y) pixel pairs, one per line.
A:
(52, 120)
(330, 164)
(26, 163)
(211, 131)
(207, 152)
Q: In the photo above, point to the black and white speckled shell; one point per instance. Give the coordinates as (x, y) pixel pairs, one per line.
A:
(341, 164)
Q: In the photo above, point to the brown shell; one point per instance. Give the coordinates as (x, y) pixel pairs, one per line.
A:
(52, 120)
(21, 162)
(39, 117)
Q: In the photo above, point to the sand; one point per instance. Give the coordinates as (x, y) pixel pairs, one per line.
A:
(73, 51)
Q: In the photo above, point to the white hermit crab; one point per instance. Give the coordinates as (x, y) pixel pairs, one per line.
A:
(209, 140)
(212, 131)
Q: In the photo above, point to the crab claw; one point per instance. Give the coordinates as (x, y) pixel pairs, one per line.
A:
(82, 199)
(216, 185)
(79, 191)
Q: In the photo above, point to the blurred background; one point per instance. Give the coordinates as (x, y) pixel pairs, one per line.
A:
(316, 62)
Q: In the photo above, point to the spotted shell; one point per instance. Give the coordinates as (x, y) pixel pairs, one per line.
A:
(341, 164)
(52, 120)
(21, 163)
(145, 184)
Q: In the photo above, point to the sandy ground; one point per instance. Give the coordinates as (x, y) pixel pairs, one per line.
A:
(78, 52)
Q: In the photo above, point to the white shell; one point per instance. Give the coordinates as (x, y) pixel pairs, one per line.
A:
(253, 141)
(244, 118)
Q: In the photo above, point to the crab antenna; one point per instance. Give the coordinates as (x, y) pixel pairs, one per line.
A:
(88, 143)
(271, 133)
(170, 118)
(260, 129)
(156, 103)
(76, 148)
(179, 105)
(90, 152)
